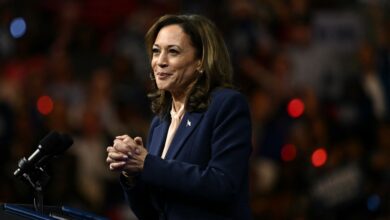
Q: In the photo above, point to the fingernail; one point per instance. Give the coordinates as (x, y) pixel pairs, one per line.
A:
(125, 157)
(137, 150)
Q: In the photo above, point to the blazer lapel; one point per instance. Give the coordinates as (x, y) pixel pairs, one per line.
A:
(158, 139)
(186, 127)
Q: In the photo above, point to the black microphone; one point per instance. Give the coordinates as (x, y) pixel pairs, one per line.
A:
(51, 145)
(65, 142)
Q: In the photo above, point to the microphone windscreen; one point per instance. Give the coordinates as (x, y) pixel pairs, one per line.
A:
(66, 142)
(49, 144)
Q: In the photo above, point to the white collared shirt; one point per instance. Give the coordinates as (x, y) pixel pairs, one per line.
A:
(176, 117)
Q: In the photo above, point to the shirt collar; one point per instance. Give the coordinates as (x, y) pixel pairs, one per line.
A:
(177, 114)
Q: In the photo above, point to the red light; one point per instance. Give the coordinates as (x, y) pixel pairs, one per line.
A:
(45, 105)
(295, 108)
(319, 157)
(289, 152)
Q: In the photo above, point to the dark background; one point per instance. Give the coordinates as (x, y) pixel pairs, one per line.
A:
(88, 57)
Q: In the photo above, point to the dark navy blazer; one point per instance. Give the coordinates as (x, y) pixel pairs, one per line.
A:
(205, 172)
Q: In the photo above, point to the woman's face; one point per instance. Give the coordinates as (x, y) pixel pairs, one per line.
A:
(174, 62)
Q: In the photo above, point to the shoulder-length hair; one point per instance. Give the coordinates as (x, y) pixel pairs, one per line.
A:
(210, 48)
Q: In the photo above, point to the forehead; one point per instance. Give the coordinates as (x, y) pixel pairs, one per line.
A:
(172, 35)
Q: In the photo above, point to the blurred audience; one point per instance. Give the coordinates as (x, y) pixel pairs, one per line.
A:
(330, 161)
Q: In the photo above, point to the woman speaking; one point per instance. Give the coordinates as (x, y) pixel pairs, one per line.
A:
(195, 162)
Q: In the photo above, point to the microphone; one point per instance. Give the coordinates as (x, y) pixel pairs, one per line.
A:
(54, 149)
(51, 145)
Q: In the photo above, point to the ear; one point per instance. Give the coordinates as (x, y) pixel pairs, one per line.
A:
(199, 66)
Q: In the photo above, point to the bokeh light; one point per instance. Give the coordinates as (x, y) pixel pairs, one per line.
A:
(18, 27)
(289, 152)
(315, 75)
(45, 105)
(373, 202)
(295, 108)
(319, 157)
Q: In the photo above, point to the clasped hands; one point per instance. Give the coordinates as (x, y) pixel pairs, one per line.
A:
(127, 155)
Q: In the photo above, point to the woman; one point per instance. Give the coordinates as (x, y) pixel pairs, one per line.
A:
(195, 163)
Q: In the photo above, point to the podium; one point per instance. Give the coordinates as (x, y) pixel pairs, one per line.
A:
(32, 171)
(22, 212)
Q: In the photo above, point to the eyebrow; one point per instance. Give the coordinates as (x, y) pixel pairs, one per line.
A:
(170, 45)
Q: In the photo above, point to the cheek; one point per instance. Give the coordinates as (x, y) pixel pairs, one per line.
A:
(189, 75)
(153, 63)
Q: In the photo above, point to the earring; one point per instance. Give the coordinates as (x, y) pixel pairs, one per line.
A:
(151, 76)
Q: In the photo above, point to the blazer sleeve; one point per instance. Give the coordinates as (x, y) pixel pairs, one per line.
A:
(138, 195)
(139, 200)
(227, 171)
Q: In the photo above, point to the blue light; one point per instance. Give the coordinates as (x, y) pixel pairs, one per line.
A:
(373, 202)
(17, 27)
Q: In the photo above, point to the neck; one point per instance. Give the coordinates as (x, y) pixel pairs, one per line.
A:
(178, 102)
(179, 98)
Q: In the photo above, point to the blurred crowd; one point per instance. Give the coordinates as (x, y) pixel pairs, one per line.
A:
(89, 58)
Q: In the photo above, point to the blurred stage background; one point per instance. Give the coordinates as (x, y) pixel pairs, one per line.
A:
(316, 74)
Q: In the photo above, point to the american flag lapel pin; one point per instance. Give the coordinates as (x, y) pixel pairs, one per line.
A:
(188, 123)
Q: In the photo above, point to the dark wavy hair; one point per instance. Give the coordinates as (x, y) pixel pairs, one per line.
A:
(210, 49)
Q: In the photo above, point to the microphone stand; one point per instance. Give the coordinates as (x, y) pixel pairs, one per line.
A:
(37, 178)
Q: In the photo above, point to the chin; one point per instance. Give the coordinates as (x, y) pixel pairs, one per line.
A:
(163, 87)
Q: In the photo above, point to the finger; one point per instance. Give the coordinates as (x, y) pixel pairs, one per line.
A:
(118, 156)
(109, 160)
(135, 162)
(110, 149)
(117, 165)
(117, 141)
(121, 137)
(138, 141)
(139, 152)
(114, 160)
(124, 139)
(121, 146)
(129, 147)
(129, 141)
(137, 155)
(138, 144)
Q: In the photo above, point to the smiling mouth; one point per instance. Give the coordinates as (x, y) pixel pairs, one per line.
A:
(163, 75)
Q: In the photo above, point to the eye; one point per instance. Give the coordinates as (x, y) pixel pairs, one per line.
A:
(173, 51)
(155, 50)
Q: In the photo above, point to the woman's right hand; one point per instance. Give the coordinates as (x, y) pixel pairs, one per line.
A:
(126, 154)
(116, 159)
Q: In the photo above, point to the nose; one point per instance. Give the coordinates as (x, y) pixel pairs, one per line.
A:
(162, 60)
